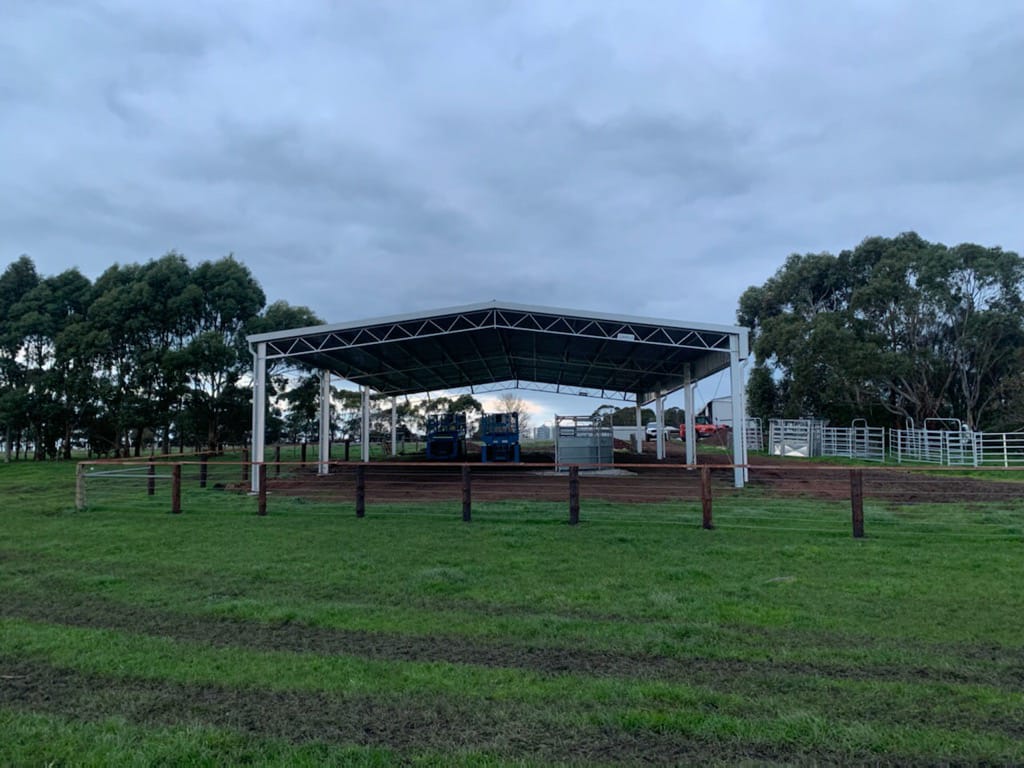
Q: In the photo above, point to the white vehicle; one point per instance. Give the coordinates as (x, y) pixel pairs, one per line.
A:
(651, 432)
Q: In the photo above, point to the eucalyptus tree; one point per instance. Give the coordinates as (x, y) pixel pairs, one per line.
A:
(16, 281)
(49, 320)
(120, 329)
(174, 306)
(216, 357)
(897, 326)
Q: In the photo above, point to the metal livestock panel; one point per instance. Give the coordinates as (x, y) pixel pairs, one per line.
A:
(856, 442)
(796, 437)
(583, 441)
(1001, 449)
(952, 448)
(754, 435)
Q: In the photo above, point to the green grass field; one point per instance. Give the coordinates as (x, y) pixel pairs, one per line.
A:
(310, 637)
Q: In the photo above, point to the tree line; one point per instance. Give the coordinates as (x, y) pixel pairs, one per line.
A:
(153, 356)
(896, 330)
(300, 419)
(150, 353)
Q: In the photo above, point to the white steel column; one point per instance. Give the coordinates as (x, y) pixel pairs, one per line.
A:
(394, 426)
(739, 442)
(324, 454)
(659, 410)
(259, 410)
(639, 435)
(743, 402)
(365, 437)
(690, 419)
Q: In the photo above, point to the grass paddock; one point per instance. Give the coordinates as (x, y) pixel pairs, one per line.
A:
(128, 635)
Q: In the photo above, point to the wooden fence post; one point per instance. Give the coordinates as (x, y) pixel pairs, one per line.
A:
(361, 490)
(466, 494)
(79, 488)
(857, 501)
(261, 505)
(574, 495)
(151, 479)
(302, 454)
(705, 497)
(204, 467)
(176, 489)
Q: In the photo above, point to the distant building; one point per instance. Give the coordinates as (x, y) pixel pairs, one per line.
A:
(543, 432)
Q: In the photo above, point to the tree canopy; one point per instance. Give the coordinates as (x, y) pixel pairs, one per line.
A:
(896, 330)
(147, 353)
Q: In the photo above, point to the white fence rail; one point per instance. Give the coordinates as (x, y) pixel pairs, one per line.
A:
(795, 437)
(999, 449)
(753, 432)
(754, 435)
(932, 446)
(959, 447)
(858, 442)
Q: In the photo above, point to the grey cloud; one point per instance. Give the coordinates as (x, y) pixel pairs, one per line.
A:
(371, 157)
(701, 156)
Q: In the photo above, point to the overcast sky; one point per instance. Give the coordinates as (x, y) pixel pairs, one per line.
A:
(373, 158)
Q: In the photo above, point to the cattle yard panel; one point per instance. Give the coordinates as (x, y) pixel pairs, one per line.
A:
(999, 449)
(584, 441)
(857, 442)
(795, 437)
(951, 448)
(754, 434)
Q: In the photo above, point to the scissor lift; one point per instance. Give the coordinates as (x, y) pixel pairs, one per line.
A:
(499, 435)
(446, 436)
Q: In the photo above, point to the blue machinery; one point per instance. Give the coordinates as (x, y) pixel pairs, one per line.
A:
(499, 435)
(446, 436)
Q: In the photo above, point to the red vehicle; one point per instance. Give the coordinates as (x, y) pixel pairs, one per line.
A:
(707, 428)
(704, 427)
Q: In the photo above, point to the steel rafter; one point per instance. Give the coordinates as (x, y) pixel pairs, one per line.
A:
(636, 333)
(553, 389)
(484, 343)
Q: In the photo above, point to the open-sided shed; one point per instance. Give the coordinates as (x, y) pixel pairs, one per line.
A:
(498, 345)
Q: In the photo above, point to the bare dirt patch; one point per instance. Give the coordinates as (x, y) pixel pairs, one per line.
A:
(646, 480)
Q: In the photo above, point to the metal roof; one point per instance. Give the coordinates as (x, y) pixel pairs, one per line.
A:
(500, 345)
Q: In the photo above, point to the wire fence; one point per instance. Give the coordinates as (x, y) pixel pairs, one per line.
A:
(844, 499)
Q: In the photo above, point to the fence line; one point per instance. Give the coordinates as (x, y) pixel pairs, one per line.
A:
(687, 488)
(999, 449)
(960, 447)
(858, 442)
(786, 437)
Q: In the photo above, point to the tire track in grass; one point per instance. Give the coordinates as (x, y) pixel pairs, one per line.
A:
(405, 724)
(814, 640)
(97, 613)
